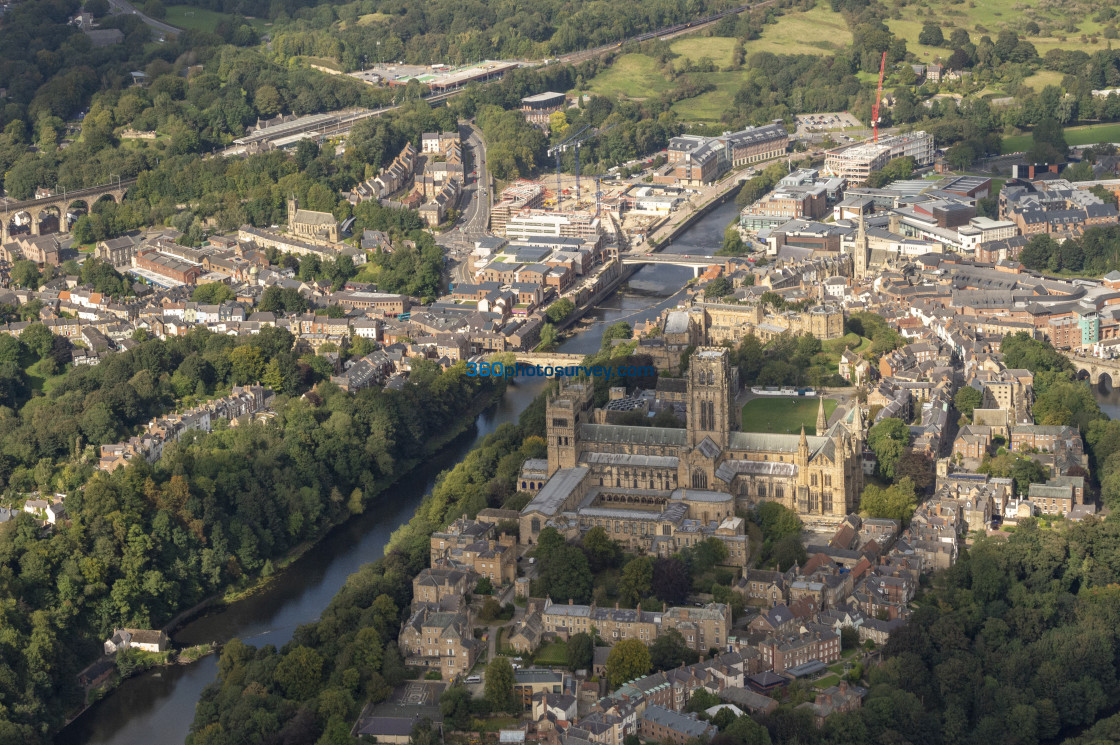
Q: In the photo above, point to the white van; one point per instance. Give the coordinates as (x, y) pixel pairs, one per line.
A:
(474, 678)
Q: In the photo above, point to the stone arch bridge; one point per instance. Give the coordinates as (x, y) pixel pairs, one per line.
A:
(1095, 369)
(37, 208)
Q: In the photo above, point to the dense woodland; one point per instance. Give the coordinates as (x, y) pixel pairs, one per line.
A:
(216, 510)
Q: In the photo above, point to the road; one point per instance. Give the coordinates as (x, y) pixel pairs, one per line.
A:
(474, 218)
(123, 6)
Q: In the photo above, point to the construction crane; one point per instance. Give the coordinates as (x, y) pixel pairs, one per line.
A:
(575, 141)
(572, 141)
(878, 99)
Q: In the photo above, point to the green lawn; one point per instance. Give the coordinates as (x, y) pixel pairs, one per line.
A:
(1087, 135)
(783, 415)
(200, 19)
(632, 76)
(827, 681)
(555, 653)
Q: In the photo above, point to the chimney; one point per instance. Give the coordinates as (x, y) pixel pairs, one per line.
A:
(616, 605)
(571, 602)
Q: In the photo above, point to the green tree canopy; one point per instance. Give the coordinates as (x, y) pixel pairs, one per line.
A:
(628, 659)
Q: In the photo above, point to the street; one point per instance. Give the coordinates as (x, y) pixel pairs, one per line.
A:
(474, 217)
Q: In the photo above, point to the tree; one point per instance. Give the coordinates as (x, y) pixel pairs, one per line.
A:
(707, 554)
(788, 551)
(701, 700)
(602, 551)
(916, 466)
(888, 439)
(548, 338)
(300, 673)
(455, 706)
(931, 35)
(629, 659)
(967, 399)
(671, 582)
(777, 521)
(719, 287)
(746, 731)
(896, 502)
(637, 576)
(560, 310)
(618, 330)
(212, 293)
(25, 274)
(581, 651)
(499, 686)
(669, 651)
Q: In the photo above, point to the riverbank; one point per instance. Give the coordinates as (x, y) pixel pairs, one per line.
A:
(108, 673)
(236, 598)
(235, 594)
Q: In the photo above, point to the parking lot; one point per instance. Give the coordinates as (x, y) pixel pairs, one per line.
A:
(807, 123)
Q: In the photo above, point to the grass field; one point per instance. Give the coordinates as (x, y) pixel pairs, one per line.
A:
(719, 49)
(817, 31)
(200, 19)
(632, 76)
(783, 415)
(711, 105)
(1087, 135)
(992, 16)
(1043, 78)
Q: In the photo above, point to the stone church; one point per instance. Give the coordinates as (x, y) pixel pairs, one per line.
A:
(629, 478)
(308, 224)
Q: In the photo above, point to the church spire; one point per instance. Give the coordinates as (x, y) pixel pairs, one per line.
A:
(803, 447)
(859, 260)
(822, 420)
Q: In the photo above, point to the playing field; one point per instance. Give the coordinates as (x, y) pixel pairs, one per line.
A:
(1089, 135)
(783, 415)
(200, 19)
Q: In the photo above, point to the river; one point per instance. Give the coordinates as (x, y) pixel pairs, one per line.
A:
(158, 706)
(653, 288)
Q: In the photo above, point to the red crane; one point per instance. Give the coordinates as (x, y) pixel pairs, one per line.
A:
(878, 98)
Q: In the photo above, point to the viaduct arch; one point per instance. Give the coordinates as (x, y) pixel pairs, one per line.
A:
(37, 208)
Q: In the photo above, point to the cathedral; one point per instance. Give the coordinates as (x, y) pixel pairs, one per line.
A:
(647, 484)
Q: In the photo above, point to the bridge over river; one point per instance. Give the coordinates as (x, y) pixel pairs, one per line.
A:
(1095, 369)
(697, 263)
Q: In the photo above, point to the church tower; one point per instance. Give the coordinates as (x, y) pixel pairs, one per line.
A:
(860, 249)
(564, 411)
(292, 207)
(822, 419)
(710, 397)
